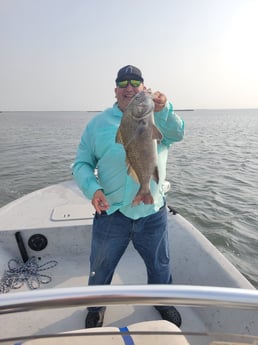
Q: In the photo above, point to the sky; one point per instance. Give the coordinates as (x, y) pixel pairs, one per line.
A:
(64, 54)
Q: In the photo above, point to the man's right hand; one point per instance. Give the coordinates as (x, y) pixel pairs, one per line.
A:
(99, 201)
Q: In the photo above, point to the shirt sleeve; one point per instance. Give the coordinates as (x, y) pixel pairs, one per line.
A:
(170, 124)
(84, 166)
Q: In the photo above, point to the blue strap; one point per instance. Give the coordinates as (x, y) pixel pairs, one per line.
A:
(128, 340)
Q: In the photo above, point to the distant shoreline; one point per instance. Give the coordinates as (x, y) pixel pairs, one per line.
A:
(98, 111)
(184, 109)
(88, 111)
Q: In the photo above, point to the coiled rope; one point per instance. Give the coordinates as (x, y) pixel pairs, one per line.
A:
(19, 273)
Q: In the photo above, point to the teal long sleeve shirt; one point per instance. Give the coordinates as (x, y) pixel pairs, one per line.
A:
(98, 149)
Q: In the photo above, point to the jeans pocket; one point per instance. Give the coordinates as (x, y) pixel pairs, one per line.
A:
(102, 214)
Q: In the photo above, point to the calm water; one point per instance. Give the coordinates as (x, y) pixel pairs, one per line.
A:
(213, 172)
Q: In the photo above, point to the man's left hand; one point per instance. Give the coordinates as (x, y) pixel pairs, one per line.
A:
(159, 100)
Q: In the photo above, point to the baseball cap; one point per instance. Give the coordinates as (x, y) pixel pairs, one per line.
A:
(129, 72)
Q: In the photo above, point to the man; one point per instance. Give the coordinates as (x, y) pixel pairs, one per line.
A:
(116, 221)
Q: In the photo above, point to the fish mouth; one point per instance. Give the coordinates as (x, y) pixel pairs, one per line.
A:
(142, 107)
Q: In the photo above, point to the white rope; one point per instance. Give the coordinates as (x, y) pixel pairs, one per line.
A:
(19, 273)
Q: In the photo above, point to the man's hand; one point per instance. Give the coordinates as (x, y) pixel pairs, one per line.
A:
(159, 100)
(99, 201)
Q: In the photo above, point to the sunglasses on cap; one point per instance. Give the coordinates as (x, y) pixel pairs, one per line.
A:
(124, 83)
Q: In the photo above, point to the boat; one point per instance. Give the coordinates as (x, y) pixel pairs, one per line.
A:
(44, 263)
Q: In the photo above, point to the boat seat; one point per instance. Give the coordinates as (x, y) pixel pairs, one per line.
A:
(102, 337)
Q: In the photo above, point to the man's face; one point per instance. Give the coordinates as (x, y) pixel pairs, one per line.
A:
(125, 94)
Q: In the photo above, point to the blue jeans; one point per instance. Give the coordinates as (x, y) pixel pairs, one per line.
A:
(111, 235)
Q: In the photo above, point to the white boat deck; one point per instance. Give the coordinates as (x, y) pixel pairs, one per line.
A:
(65, 218)
(68, 319)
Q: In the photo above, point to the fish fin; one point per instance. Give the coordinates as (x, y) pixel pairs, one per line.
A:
(156, 133)
(155, 174)
(119, 138)
(144, 197)
(131, 171)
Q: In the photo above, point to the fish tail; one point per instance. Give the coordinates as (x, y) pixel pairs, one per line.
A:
(144, 197)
